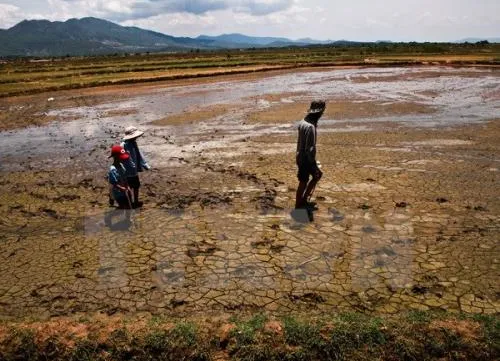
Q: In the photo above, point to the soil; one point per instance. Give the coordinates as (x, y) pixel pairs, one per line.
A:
(195, 115)
(339, 109)
(408, 214)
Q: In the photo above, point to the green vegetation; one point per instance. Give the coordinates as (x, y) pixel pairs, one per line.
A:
(409, 337)
(245, 332)
(25, 76)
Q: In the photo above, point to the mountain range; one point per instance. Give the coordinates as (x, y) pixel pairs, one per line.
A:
(92, 36)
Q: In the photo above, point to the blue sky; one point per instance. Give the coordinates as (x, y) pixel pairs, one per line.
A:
(364, 20)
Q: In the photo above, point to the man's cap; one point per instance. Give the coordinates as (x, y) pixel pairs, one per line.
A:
(132, 132)
(118, 151)
(317, 106)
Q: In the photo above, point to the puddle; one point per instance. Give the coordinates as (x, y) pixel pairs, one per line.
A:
(422, 162)
(440, 142)
(361, 187)
(395, 169)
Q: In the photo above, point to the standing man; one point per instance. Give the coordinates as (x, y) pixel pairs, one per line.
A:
(130, 145)
(306, 154)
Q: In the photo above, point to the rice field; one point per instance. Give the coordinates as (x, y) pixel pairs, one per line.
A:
(28, 76)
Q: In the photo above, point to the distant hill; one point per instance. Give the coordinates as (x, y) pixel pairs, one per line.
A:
(243, 39)
(87, 36)
(239, 40)
(312, 41)
(92, 36)
(475, 40)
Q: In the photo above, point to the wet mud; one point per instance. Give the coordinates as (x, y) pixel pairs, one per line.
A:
(408, 208)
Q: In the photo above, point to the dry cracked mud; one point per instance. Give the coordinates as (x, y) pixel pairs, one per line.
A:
(409, 205)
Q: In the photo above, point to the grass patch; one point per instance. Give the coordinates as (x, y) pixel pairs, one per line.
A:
(245, 332)
(350, 336)
(491, 329)
(300, 333)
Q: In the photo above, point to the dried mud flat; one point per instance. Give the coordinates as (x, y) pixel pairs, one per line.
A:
(409, 206)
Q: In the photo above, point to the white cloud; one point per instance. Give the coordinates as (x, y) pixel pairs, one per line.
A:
(115, 6)
(176, 23)
(9, 15)
(123, 10)
(61, 10)
(225, 21)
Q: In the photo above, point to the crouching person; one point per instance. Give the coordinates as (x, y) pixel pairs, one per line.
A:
(117, 176)
(140, 163)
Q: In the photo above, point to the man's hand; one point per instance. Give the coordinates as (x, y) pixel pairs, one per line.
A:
(318, 174)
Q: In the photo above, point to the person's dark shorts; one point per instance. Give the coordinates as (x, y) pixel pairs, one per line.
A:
(133, 182)
(123, 202)
(306, 169)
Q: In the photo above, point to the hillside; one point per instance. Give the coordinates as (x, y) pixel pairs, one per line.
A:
(92, 36)
(87, 36)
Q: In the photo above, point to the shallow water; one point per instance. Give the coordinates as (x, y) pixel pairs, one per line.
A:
(458, 98)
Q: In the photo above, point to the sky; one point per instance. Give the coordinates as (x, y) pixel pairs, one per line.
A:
(361, 20)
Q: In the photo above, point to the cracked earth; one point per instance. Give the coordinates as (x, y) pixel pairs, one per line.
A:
(409, 204)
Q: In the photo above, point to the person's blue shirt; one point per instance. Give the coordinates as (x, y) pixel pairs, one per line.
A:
(138, 159)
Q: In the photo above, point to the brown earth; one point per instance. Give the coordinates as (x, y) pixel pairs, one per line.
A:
(374, 200)
(337, 109)
(408, 219)
(196, 115)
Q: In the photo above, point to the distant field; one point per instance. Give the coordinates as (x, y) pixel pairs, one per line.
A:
(27, 76)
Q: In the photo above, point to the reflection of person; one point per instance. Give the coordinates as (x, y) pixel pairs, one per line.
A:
(117, 176)
(130, 145)
(306, 154)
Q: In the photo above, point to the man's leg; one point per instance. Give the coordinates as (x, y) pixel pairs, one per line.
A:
(299, 197)
(311, 185)
(123, 202)
(136, 195)
(137, 202)
(310, 188)
(135, 184)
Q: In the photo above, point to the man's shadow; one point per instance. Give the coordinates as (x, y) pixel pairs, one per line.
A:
(303, 215)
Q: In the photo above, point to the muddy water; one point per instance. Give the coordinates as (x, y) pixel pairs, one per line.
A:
(458, 99)
(408, 207)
